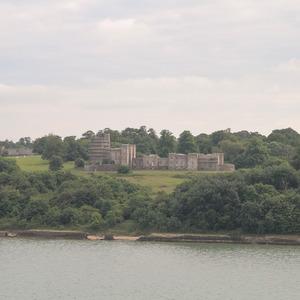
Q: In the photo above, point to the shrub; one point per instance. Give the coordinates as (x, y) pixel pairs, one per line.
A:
(123, 169)
(56, 163)
(79, 163)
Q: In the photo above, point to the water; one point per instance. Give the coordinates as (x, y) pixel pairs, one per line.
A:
(63, 269)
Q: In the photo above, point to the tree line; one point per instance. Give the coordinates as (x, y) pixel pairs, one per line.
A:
(244, 149)
(258, 200)
(62, 199)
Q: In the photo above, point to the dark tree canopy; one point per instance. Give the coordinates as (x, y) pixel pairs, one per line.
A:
(186, 143)
(166, 143)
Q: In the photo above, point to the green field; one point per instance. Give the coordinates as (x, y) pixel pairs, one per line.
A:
(36, 163)
(157, 180)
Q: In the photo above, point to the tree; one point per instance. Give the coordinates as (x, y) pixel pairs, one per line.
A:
(296, 159)
(79, 163)
(186, 143)
(231, 149)
(256, 153)
(54, 146)
(166, 143)
(8, 165)
(39, 145)
(204, 143)
(218, 136)
(286, 136)
(74, 149)
(56, 163)
(88, 135)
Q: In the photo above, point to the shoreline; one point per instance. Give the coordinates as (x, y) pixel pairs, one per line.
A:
(156, 237)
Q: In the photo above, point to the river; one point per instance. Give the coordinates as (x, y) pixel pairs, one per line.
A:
(64, 269)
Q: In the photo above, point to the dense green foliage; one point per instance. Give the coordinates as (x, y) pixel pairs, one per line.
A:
(244, 149)
(257, 200)
(62, 199)
(254, 201)
(262, 197)
(123, 169)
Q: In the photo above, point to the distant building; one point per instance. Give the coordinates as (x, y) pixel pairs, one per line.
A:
(104, 158)
(190, 161)
(16, 152)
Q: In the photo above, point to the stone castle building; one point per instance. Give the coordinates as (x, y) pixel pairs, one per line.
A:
(16, 152)
(104, 158)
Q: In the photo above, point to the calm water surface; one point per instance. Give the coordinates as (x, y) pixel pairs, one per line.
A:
(55, 269)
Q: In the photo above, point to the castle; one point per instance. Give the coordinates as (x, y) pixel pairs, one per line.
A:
(104, 158)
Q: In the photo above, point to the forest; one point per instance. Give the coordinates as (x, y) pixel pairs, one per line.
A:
(262, 196)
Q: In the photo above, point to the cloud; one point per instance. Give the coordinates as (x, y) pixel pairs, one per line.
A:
(176, 103)
(122, 29)
(70, 65)
(291, 66)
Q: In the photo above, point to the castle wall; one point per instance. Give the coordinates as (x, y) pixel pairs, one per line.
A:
(138, 163)
(192, 161)
(227, 167)
(101, 167)
(115, 155)
(178, 161)
(126, 155)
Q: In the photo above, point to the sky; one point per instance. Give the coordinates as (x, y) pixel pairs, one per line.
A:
(67, 67)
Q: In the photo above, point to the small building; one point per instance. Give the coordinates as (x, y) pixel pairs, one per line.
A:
(16, 152)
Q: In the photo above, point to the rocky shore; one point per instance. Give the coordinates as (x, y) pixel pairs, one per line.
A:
(45, 234)
(225, 239)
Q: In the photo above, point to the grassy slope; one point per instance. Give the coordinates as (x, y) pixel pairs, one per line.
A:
(36, 163)
(157, 180)
(154, 179)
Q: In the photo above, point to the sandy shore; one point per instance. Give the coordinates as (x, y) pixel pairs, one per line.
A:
(116, 237)
(159, 237)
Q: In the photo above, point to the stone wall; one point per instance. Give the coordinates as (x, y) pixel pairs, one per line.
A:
(100, 151)
(101, 167)
(17, 152)
(227, 167)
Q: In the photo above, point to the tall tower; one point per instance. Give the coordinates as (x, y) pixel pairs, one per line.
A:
(99, 147)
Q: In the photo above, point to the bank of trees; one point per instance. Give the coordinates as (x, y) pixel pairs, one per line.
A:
(63, 200)
(257, 200)
(244, 149)
(262, 197)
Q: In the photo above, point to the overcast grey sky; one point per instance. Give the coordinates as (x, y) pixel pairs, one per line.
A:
(71, 66)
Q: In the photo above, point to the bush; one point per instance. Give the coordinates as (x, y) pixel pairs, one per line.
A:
(56, 163)
(123, 169)
(79, 163)
(5, 153)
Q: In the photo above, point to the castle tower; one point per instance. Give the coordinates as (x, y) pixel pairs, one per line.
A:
(99, 148)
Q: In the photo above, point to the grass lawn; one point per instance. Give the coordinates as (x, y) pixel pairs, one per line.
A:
(157, 180)
(35, 163)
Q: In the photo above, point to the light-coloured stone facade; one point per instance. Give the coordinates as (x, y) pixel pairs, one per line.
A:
(101, 155)
(176, 161)
(16, 152)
